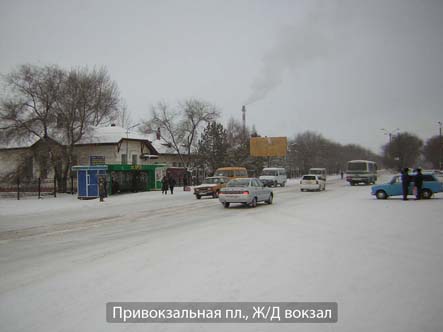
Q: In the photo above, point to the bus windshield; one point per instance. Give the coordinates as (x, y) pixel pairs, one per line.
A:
(357, 166)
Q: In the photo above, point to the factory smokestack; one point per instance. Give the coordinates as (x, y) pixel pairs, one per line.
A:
(243, 109)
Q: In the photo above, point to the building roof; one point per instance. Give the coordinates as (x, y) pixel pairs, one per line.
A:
(100, 135)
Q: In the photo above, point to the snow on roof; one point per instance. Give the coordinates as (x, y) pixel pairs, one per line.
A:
(18, 143)
(111, 134)
(100, 135)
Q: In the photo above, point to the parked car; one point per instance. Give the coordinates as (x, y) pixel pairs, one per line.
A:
(273, 176)
(211, 186)
(247, 191)
(431, 185)
(312, 182)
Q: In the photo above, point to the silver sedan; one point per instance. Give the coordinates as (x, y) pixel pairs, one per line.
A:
(247, 191)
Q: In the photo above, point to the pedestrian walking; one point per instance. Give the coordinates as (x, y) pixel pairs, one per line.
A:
(101, 188)
(341, 174)
(405, 179)
(165, 184)
(172, 184)
(418, 182)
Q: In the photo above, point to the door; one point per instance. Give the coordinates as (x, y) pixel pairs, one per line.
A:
(92, 183)
(395, 189)
(81, 184)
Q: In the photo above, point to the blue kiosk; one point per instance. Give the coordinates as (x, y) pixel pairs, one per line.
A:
(87, 180)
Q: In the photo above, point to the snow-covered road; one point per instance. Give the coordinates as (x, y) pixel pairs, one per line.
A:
(62, 260)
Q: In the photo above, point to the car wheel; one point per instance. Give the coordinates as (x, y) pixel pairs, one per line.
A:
(271, 198)
(381, 194)
(226, 204)
(426, 194)
(198, 196)
(253, 203)
(215, 195)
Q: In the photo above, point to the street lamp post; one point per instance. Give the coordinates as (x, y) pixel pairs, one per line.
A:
(390, 133)
(127, 141)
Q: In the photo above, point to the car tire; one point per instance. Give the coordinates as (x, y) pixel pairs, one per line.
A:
(426, 194)
(226, 205)
(198, 196)
(271, 198)
(253, 203)
(381, 194)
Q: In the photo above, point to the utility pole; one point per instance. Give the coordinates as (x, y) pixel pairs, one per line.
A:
(441, 148)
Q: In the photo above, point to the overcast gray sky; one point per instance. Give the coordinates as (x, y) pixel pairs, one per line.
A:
(342, 68)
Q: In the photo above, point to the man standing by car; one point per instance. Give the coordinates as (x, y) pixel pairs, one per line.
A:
(418, 181)
(405, 183)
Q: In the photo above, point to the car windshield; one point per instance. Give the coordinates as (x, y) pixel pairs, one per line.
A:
(212, 180)
(272, 172)
(309, 177)
(238, 183)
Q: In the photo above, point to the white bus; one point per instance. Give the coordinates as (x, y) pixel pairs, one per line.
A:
(361, 171)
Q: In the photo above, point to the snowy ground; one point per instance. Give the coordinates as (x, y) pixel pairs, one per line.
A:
(62, 260)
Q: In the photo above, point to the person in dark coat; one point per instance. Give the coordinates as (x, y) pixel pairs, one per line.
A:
(172, 184)
(418, 182)
(405, 179)
(165, 183)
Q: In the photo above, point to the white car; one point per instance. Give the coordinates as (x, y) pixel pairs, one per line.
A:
(247, 191)
(312, 182)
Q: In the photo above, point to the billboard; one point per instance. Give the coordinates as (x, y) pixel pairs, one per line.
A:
(268, 146)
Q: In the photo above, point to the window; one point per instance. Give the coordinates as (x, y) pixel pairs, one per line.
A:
(428, 177)
(124, 159)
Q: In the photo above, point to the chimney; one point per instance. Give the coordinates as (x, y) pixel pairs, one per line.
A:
(158, 133)
(243, 109)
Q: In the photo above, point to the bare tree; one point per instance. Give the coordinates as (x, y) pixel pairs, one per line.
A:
(29, 110)
(89, 98)
(433, 151)
(124, 119)
(403, 151)
(179, 127)
(310, 149)
(54, 105)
